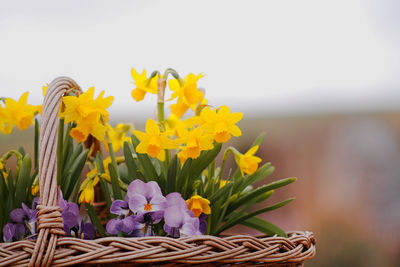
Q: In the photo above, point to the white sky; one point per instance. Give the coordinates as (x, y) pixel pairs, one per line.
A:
(259, 57)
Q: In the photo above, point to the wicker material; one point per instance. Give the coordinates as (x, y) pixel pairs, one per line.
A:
(51, 249)
(204, 249)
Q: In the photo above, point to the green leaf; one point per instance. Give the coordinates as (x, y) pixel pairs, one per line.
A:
(258, 175)
(221, 192)
(145, 162)
(71, 159)
(99, 163)
(263, 226)
(183, 177)
(259, 140)
(74, 174)
(22, 151)
(21, 188)
(244, 217)
(106, 192)
(171, 176)
(123, 174)
(114, 182)
(130, 161)
(204, 160)
(259, 191)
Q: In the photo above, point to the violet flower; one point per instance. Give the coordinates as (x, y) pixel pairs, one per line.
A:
(87, 230)
(13, 232)
(146, 200)
(179, 220)
(26, 216)
(124, 223)
(70, 212)
(203, 223)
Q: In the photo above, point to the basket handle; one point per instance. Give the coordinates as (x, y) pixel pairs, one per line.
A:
(49, 219)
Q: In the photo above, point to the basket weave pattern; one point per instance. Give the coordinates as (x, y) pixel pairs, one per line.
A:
(50, 248)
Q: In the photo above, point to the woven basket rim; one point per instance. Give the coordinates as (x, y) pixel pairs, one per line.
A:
(202, 249)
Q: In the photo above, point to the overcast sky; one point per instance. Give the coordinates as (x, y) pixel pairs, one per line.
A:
(259, 57)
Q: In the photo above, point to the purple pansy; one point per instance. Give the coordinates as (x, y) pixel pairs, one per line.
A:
(146, 200)
(26, 216)
(13, 231)
(87, 230)
(179, 220)
(203, 223)
(124, 223)
(70, 212)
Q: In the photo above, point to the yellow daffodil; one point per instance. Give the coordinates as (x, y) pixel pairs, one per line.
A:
(85, 111)
(222, 183)
(118, 135)
(198, 205)
(16, 113)
(248, 163)
(221, 123)
(143, 85)
(91, 125)
(87, 191)
(153, 141)
(106, 174)
(194, 141)
(78, 109)
(187, 93)
(35, 190)
(3, 170)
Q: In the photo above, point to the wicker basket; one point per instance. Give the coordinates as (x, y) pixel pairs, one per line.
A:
(51, 248)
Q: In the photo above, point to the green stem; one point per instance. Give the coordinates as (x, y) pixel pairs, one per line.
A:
(60, 145)
(19, 160)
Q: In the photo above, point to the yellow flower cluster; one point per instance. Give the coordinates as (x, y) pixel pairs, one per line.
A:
(86, 112)
(17, 113)
(192, 135)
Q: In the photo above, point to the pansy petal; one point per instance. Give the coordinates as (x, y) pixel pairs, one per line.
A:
(119, 207)
(9, 232)
(17, 215)
(174, 216)
(152, 189)
(137, 203)
(114, 226)
(137, 186)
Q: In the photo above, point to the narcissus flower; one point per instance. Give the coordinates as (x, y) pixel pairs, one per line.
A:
(118, 135)
(221, 123)
(143, 85)
(189, 96)
(90, 125)
(194, 141)
(199, 205)
(16, 113)
(106, 174)
(79, 108)
(153, 141)
(248, 163)
(87, 190)
(85, 111)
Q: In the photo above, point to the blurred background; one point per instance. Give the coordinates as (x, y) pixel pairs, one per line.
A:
(319, 77)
